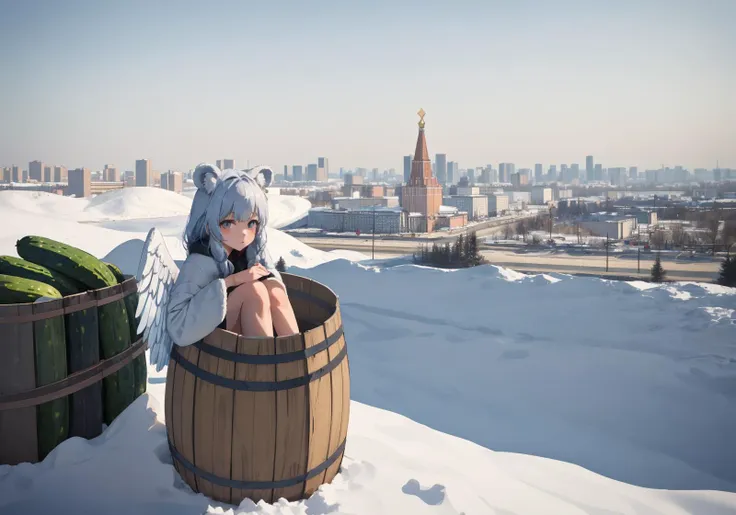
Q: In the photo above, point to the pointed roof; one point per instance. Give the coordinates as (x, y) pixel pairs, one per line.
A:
(421, 154)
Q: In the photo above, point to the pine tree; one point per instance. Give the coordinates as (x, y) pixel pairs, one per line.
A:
(658, 272)
(727, 276)
(457, 254)
(281, 264)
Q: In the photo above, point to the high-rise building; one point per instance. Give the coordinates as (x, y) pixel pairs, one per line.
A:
(110, 174)
(61, 174)
(598, 172)
(589, 171)
(17, 174)
(143, 174)
(323, 169)
(312, 172)
(504, 172)
(452, 170)
(538, 173)
(407, 169)
(297, 173)
(80, 183)
(48, 173)
(440, 161)
(6, 174)
(423, 193)
(225, 164)
(633, 172)
(286, 172)
(35, 171)
(171, 181)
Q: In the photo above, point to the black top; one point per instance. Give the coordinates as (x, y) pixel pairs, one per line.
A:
(236, 258)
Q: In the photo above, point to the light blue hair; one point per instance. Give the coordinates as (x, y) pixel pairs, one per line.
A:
(218, 195)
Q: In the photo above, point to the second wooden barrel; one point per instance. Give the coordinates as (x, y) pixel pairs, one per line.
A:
(263, 418)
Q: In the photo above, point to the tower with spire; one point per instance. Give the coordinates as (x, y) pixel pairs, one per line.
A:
(423, 193)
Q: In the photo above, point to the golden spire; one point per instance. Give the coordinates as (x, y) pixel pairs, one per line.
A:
(421, 114)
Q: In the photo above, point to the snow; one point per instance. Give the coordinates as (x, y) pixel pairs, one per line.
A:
(475, 391)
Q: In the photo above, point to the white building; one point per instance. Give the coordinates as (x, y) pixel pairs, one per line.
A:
(541, 195)
(497, 204)
(475, 205)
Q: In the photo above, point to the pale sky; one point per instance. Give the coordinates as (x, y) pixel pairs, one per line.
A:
(632, 82)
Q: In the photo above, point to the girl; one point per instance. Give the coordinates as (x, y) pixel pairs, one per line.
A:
(228, 279)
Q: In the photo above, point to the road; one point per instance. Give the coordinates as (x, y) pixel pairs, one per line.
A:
(540, 262)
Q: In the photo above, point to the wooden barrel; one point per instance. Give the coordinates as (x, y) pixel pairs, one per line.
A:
(79, 371)
(262, 418)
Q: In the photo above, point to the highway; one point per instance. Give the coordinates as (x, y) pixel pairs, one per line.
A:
(541, 262)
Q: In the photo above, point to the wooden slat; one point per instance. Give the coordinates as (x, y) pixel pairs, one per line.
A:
(336, 417)
(223, 419)
(17, 374)
(83, 351)
(170, 396)
(49, 336)
(292, 443)
(301, 306)
(254, 424)
(345, 375)
(186, 407)
(204, 414)
(318, 312)
(320, 408)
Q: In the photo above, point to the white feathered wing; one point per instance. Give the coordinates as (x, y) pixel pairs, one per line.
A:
(156, 275)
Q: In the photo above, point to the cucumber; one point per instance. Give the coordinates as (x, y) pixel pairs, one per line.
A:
(70, 261)
(49, 339)
(18, 290)
(18, 267)
(114, 332)
(140, 369)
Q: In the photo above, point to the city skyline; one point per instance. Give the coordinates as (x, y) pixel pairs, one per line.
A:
(632, 83)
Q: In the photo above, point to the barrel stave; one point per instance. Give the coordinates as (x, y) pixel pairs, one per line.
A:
(223, 419)
(320, 408)
(254, 423)
(292, 416)
(203, 425)
(18, 375)
(340, 394)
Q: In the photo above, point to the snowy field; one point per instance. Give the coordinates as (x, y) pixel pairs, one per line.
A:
(479, 391)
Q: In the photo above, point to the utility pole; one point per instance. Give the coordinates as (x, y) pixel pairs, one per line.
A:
(638, 250)
(373, 243)
(606, 252)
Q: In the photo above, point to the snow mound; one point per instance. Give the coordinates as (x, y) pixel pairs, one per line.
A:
(138, 202)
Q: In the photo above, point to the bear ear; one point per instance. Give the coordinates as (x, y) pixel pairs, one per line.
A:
(206, 177)
(262, 175)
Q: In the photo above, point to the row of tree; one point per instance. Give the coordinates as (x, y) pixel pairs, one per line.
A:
(464, 253)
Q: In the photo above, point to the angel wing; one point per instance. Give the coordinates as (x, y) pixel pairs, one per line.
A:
(156, 275)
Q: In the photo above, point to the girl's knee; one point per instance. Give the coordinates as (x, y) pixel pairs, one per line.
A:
(253, 295)
(277, 293)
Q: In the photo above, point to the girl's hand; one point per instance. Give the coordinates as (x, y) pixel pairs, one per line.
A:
(250, 275)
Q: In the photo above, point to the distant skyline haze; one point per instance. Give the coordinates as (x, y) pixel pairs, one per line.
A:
(633, 83)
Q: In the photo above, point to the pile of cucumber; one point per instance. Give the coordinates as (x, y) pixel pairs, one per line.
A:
(67, 344)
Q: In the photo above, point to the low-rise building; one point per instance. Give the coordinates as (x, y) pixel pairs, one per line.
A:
(497, 204)
(613, 228)
(541, 195)
(363, 202)
(476, 206)
(385, 220)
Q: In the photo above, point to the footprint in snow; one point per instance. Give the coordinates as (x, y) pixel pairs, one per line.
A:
(432, 496)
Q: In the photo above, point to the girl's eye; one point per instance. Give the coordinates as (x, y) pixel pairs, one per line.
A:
(226, 225)
(252, 224)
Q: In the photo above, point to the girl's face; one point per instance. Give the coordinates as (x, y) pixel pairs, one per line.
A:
(238, 235)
